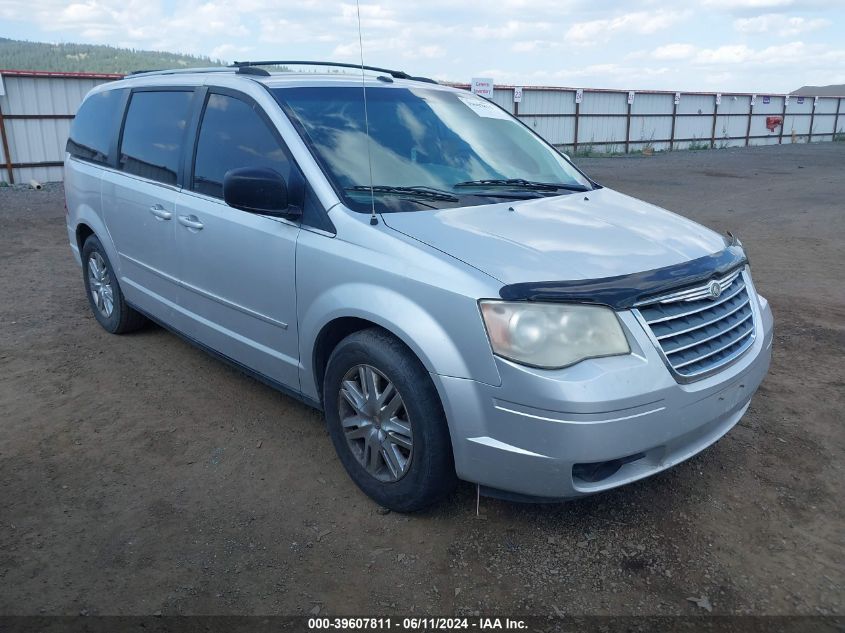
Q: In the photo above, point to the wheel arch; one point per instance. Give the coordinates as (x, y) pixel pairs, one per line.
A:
(342, 310)
(332, 333)
(86, 222)
(83, 232)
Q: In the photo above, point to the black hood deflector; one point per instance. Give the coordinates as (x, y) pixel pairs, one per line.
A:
(624, 291)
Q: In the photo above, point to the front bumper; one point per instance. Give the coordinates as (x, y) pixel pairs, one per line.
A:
(528, 434)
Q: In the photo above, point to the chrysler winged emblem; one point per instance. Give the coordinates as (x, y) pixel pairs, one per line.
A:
(715, 289)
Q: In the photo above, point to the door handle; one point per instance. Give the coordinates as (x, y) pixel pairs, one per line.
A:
(191, 221)
(160, 212)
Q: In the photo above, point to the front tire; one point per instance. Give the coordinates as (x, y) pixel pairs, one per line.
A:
(387, 423)
(104, 294)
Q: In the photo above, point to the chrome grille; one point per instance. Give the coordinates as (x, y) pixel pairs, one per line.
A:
(699, 334)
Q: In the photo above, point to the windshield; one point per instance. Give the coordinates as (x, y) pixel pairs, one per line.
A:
(430, 148)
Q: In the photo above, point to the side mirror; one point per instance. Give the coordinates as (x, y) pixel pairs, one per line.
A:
(258, 190)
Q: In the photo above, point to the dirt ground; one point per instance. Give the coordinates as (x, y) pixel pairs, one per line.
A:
(140, 476)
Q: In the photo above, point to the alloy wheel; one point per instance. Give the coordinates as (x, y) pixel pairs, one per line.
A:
(375, 423)
(100, 284)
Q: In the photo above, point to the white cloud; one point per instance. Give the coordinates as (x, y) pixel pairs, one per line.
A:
(373, 16)
(82, 13)
(747, 4)
(729, 67)
(530, 46)
(791, 54)
(133, 23)
(783, 25)
(730, 54)
(429, 51)
(230, 52)
(642, 23)
(635, 44)
(673, 51)
(753, 7)
(509, 30)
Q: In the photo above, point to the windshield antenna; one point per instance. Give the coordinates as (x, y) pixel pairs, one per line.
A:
(373, 218)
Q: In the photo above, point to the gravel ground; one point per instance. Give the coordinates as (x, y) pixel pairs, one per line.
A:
(140, 476)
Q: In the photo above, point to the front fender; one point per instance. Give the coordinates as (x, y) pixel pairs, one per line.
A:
(447, 350)
(426, 298)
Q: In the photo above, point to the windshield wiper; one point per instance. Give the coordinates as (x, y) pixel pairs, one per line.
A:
(426, 193)
(520, 183)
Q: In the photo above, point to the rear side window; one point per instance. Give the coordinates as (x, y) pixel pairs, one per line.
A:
(233, 134)
(153, 134)
(94, 126)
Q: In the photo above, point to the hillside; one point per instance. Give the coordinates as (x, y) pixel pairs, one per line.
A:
(821, 91)
(23, 55)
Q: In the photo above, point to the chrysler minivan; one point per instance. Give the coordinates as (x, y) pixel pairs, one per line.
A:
(459, 299)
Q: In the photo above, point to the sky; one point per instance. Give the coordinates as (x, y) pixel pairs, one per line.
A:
(707, 45)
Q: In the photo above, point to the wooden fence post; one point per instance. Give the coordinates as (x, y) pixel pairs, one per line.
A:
(6, 154)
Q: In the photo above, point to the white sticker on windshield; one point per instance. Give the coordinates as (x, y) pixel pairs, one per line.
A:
(484, 108)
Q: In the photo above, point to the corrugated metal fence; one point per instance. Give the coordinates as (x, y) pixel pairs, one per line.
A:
(36, 109)
(625, 121)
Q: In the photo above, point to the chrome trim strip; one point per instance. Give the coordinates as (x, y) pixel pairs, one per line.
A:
(692, 294)
(664, 337)
(724, 362)
(712, 304)
(600, 421)
(494, 443)
(714, 352)
(709, 338)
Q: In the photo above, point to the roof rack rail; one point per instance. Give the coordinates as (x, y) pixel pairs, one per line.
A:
(252, 70)
(181, 71)
(398, 74)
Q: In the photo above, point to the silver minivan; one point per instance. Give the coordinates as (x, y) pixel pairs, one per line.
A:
(458, 298)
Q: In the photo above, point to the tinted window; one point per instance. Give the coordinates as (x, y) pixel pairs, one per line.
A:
(153, 133)
(95, 124)
(232, 135)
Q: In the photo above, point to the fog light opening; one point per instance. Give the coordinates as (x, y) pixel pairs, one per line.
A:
(599, 471)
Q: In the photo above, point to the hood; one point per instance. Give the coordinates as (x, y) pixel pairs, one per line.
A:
(589, 235)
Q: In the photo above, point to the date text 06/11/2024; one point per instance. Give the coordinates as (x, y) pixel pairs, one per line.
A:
(417, 624)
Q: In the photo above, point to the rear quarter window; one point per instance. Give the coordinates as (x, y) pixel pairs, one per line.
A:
(154, 133)
(94, 126)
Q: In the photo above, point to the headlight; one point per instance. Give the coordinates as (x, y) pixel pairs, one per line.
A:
(552, 335)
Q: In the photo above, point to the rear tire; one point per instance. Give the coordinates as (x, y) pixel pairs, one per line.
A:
(387, 423)
(104, 294)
